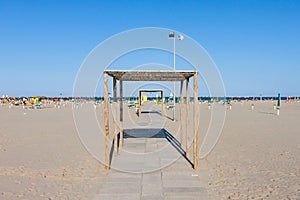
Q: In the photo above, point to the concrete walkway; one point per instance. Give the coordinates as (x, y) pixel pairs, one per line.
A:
(151, 165)
(177, 181)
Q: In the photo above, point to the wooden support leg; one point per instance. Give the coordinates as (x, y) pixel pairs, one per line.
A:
(196, 122)
(162, 103)
(106, 122)
(187, 117)
(115, 116)
(181, 113)
(121, 114)
(140, 102)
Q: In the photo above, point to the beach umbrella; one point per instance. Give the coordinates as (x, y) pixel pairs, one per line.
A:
(278, 104)
(278, 101)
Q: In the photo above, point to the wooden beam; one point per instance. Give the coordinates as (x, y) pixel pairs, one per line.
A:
(115, 117)
(121, 114)
(196, 122)
(187, 117)
(150, 90)
(150, 75)
(181, 113)
(106, 122)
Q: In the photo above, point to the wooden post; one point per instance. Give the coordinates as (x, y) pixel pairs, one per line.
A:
(196, 121)
(106, 122)
(121, 113)
(181, 113)
(187, 116)
(162, 103)
(115, 116)
(140, 102)
(139, 98)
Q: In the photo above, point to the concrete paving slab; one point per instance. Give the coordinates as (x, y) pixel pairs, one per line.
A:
(152, 197)
(120, 188)
(157, 171)
(118, 197)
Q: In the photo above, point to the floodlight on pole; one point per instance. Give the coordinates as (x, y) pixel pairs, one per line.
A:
(171, 34)
(179, 37)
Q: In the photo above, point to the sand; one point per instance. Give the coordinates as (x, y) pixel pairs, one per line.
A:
(42, 157)
(257, 156)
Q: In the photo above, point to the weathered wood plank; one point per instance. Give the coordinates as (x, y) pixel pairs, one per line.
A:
(106, 122)
(121, 114)
(150, 75)
(181, 113)
(115, 117)
(187, 117)
(196, 122)
(162, 103)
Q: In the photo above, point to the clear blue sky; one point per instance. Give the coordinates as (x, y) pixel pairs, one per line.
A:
(255, 43)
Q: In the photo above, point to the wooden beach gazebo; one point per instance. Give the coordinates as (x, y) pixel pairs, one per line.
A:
(151, 75)
(150, 90)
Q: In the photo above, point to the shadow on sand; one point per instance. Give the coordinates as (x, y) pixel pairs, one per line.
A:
(152, 133)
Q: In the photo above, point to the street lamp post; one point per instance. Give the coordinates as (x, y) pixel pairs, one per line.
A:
(179, 37)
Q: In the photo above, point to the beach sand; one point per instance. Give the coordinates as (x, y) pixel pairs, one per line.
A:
(41, 156)
(257, 156)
